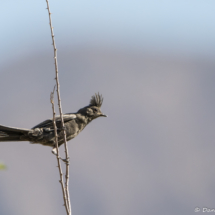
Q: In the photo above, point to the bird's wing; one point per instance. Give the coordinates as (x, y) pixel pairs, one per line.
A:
(49, 122)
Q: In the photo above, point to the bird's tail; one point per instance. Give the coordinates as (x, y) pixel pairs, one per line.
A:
(12, 134)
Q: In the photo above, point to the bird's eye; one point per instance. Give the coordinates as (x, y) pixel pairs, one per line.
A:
(95, 110)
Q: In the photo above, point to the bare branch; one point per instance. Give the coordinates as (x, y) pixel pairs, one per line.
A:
(67, 203)
(57, 151)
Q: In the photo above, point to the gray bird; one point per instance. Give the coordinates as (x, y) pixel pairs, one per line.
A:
(43, 133)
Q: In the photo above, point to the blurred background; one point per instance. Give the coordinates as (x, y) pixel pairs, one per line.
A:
(153, 61)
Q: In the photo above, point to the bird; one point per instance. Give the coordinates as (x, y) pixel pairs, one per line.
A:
(44, 134)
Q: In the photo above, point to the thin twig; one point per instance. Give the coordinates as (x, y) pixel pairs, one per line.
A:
(57, 149)
(61, 115)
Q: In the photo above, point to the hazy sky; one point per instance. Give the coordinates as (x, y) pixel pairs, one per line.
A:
(185, 26)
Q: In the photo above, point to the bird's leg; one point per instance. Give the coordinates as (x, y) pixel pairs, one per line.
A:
(66, 160)
(54, 151)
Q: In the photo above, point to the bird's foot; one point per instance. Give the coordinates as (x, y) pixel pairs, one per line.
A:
(66, 160)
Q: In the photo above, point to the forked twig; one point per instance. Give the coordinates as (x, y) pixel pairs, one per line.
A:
(66, 187)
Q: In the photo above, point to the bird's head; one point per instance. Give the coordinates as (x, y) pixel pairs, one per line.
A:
(93, 110)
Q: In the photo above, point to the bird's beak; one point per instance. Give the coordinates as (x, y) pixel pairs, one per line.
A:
(103, 115)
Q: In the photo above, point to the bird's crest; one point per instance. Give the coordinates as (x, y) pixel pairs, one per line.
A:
(96, 100)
